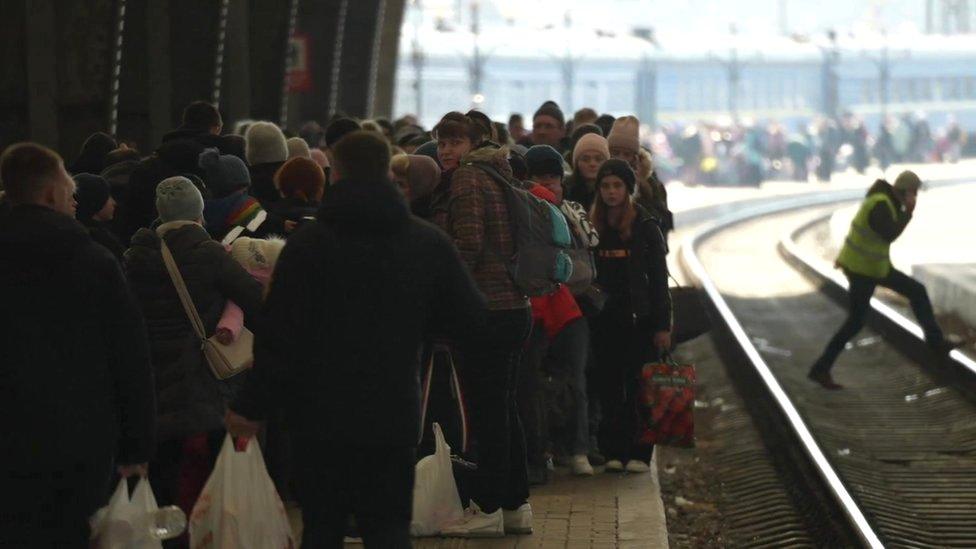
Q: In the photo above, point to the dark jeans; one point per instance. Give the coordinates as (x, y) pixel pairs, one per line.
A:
(489, 371)
(51, 508)
(620, 350)
(567, 359)
(373, 484)
(552, 399)
(859, 296)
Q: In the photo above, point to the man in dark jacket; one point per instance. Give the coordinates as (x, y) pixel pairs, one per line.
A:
(75, 384)
(96, 209)
(202, 123)
(352, 298)
(865, 259)
(175, 157)
(191, 399)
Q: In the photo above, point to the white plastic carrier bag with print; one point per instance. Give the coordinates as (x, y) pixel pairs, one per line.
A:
(125, 522)
(239, 507)
(436, 503)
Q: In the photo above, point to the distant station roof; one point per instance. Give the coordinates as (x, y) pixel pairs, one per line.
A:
(590, 44)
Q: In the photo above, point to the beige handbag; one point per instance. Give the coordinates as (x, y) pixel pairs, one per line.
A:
(225, 361)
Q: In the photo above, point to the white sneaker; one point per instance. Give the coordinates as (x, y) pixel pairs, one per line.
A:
(635, 466)
(581, 466)
(519, 521)
(614, 466)
(477, 524)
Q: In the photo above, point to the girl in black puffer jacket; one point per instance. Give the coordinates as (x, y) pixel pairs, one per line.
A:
(635, 324)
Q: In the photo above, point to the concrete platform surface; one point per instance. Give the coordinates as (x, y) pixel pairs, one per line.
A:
(952, 288)
(607, 510)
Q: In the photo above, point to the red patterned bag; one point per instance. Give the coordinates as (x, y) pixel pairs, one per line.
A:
(666, 404)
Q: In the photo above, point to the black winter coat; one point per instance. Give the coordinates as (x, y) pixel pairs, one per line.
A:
(647, 273)
(649, 294)
(294, 209)
(102, 234)
(352, 297)
(262, 184)
(75, 379)
(191, 400)
(176, 157)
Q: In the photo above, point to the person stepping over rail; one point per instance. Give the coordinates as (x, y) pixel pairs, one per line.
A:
(866, 262)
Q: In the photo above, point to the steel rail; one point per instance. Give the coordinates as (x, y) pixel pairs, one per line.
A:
(696, 270)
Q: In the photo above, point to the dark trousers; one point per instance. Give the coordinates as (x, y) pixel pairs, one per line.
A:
(859, 296)
(375, 485)
(620, 349)
(552, 398)
(179, 472)
(50, 508)
(567, 359)
(489, 372)
(530, 397)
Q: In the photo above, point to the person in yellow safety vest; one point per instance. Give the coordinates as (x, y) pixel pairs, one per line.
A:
(866, 262)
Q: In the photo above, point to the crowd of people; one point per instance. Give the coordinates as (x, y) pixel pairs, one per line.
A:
(351, 252)
(748, 153)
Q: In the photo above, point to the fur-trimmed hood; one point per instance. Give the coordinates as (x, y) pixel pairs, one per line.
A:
(490, 154)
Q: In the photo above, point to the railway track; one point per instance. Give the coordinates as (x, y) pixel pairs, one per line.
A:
(891, 460)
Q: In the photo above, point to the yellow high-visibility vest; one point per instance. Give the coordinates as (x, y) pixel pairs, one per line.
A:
(865, 252)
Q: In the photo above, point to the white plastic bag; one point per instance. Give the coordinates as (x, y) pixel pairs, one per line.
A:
(435, 495)
(124, 522)
(239, 507)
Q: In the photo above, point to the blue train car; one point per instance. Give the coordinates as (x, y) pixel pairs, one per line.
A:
(686, 79)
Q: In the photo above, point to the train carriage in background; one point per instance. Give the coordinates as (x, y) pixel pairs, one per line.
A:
(685, 79)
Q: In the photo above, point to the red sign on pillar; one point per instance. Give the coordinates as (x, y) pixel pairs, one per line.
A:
(297, 71)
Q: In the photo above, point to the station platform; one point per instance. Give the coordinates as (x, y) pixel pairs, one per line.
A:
(607, 510)
(683, 198)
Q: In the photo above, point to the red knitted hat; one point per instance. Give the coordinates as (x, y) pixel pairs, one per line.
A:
(300, 174)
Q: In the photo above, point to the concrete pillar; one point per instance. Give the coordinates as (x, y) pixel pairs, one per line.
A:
(42, 81)
(387, 59)
(235, 100)
(158, 70)
(360, 43)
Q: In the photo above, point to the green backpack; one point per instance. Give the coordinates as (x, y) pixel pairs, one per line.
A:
(541, 235)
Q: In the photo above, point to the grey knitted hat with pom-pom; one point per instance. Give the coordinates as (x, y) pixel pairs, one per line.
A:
(225, 173)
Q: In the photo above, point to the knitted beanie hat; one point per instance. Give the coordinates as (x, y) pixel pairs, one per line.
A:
(300, 174)
(544, 160)
(257, 253)
(591, 143)
(298, 147)
(428, 149)
(91, 193)
(908, 181)
(224, 173)
(264, 144)
(423, 175)
(625, 134)
(177, 199)
(319, 157)
(620, 169)
(550, 108)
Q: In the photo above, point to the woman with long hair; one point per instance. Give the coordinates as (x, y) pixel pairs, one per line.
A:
(635, 324)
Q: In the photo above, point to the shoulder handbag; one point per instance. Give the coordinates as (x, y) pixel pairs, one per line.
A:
(225, 361)
(691, 317)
